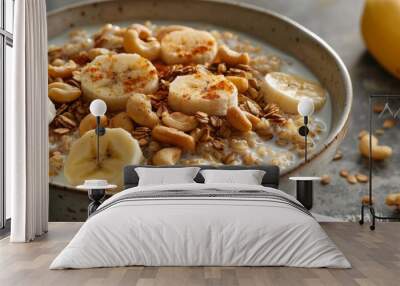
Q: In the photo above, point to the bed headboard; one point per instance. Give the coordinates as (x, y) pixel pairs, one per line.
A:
(271, 177)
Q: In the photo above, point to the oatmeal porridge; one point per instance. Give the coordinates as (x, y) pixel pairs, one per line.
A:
(176, 94)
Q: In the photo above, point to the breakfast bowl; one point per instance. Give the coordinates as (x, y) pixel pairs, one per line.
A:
(301, 52)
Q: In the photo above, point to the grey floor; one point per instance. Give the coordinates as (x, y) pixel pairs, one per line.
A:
(337, 22)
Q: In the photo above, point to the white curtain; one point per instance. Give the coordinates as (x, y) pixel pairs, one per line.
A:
(27, 130)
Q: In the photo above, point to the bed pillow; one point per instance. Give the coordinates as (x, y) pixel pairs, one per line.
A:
(248, 177)
(166, 176)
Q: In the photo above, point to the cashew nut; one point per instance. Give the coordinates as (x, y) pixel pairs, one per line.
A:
(393, 200)
(133, 44)
(180, 121)
(167, 156)
(93, 53)
(62, 92)
(139, 110)
(122, 120)
(231, 57)
(63, 71)
(163, 31)
(174, 137)
(109, 37)
(253, 119)
(241, 83)
(89, 123)
(379, 152)
(365, 200)
(58, 62)
(142, 30)
(238, 119)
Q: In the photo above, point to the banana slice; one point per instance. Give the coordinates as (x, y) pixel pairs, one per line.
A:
(188, 46)
(114, 78)
(117, 149)
(286, 90)
(212, 94)
(51, 110)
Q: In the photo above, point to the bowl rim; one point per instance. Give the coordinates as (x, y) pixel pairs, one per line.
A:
(343, 122)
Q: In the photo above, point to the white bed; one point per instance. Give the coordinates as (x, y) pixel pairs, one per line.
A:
(265, 229)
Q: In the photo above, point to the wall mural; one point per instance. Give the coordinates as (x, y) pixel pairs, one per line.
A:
(175, 95)
(188, 93)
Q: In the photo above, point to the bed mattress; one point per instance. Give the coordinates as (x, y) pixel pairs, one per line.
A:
(201, 225)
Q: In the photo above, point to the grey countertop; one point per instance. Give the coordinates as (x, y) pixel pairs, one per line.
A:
(337, 22)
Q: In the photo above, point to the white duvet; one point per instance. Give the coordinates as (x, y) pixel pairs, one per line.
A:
(200, 231)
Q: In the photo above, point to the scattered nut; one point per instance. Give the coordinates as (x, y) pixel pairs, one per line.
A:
(174, 137)
(133, 44)
(139, 110)
(378, 107)
(232, 57)
(326, 180)
(62, 71)
(167, 156)
(351, 179)
(338, 155)
(238, 119)
(122, 120)
(89, 123)
(365, 200)
(378, 152)
(344, 173)
(143, 32)
(109, 37)
(393, 200)
(389, 123)
(180, 121)
(61, 92)
(241, 83)
(253, 119)
(362, 133)
(361, 178)
(93, 53)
